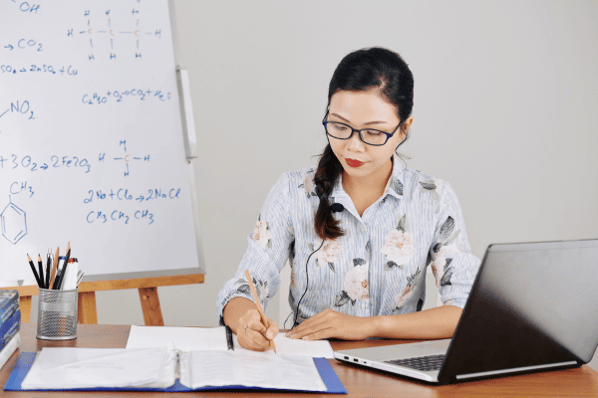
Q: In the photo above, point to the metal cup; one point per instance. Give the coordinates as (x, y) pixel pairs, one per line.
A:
(57, 314)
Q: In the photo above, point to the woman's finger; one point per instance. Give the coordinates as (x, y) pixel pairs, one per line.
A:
(246, 342)
(272, 330)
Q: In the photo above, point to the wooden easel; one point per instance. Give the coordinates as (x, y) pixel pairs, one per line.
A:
(87, 313)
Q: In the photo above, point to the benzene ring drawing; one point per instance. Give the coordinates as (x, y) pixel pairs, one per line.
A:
(14, 223)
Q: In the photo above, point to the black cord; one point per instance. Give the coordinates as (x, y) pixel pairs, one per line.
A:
(306, 285)
(287, 318)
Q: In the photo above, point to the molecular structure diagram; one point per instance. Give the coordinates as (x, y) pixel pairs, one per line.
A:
(126, 158)
(105, 31)
(14, 223)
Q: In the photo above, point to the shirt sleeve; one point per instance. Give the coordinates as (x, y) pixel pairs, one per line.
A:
(452, 263)
(268, 249)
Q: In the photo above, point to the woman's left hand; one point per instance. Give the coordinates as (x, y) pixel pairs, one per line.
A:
(332, 324)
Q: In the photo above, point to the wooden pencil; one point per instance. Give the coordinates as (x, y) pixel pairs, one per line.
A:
(39, 282)
(258, 305)
(54, 266)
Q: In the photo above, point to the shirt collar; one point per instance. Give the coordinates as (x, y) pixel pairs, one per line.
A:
(394, 186)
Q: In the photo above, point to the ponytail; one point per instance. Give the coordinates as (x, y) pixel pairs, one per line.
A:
(329, 169)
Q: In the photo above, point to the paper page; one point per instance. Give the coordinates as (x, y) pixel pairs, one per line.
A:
(185, 339)
(68, 368)
(285, 345)
(251, 369)
(189, 339)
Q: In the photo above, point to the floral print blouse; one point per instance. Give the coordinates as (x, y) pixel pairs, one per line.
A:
(378, 267)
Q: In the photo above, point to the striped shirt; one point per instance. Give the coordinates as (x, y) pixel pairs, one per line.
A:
(378, 267)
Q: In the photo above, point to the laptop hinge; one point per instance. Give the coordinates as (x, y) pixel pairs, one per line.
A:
(515, 370)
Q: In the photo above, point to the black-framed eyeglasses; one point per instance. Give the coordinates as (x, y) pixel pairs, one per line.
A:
(343, 131)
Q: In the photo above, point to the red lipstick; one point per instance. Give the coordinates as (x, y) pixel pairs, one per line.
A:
(353, 162)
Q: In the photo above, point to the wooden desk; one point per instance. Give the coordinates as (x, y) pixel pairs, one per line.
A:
(359, 382)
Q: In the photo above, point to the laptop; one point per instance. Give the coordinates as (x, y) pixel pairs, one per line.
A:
(531, 308)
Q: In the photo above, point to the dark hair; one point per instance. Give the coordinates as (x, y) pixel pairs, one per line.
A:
(359, 71)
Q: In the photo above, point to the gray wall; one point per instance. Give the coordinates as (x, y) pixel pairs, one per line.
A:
(506, 97)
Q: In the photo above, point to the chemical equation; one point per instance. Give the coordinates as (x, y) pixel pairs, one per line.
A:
(24, 44)
(56, 162)
(123, 194)
(14, 222)
(49, 69)
(27, 7)
(110, 39)
(102, 217)
(20, 108)
(119, 96)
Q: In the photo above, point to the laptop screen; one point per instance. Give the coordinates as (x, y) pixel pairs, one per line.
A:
(532, 304)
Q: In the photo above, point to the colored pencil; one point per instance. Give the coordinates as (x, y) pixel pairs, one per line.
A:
(258, 305)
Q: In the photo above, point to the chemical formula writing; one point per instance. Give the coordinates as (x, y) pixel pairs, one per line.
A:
(18, 187)
(19, 108)
(27, 7)
(123, 194)
(25, 44)
(102, 217)
(119, 96)
(33, 68)
(56, 162)
(110, 40)
(126, 159)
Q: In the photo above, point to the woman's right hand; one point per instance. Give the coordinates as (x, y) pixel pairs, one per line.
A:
(251, 332)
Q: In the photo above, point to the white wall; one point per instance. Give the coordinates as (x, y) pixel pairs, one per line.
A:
(506, 94)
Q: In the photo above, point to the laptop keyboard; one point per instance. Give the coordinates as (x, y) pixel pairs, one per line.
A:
(426, 364)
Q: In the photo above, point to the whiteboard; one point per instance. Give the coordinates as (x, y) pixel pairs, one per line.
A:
(91, 140)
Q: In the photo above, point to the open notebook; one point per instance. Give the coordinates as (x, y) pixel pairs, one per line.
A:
(168, 369)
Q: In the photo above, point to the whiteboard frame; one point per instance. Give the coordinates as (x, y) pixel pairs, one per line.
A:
(189, 139)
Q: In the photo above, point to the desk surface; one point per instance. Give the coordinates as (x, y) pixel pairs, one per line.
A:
(359, 382)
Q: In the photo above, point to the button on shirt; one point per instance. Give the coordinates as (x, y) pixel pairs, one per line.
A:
(378, 267)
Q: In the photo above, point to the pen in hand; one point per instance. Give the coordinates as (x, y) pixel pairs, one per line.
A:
(258, 305)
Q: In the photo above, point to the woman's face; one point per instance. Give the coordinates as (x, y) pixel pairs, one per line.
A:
(365, 109)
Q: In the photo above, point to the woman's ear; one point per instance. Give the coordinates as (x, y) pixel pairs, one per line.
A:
(407, 124)
(405, 127)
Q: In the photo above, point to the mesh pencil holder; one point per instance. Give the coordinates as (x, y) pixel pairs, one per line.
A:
(57, 314)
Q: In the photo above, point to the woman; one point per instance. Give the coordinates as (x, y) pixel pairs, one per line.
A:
(359, 230)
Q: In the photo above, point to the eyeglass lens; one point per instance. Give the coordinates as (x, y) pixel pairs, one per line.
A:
(342, 131)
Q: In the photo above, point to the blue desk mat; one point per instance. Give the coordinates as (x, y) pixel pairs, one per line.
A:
(25, 361)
